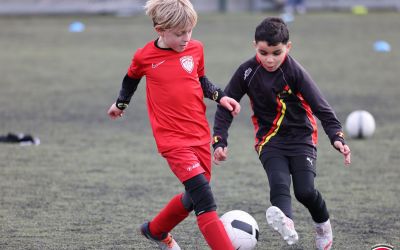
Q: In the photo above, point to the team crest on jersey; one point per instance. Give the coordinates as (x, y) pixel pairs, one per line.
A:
(187, 63)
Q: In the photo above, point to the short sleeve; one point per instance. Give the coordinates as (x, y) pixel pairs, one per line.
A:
(135, 70)
(201, 70)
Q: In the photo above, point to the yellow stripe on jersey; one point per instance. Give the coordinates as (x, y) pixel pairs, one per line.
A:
(277, 126)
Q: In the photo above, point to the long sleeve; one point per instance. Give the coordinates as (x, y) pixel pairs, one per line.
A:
(210, 90)
(223, 118)
(128, 88)
(310, 93)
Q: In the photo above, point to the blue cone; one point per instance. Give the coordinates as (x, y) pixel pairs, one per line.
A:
(381, 46)
(76, 27)
(287, 17)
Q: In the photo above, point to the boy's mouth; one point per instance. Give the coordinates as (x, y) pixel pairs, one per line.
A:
(269, 68)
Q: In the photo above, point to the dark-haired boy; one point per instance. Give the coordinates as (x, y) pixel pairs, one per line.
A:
(284, 100)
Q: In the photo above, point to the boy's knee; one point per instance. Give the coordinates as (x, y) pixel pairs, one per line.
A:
(279, 190)
(305, 195)
(200, 194)
(187, 202)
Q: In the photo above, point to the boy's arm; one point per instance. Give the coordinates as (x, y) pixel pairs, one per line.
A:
(223, 118)
(210, 90)
(213, 92)
(311, 94)
(321, 109)
(128, 88)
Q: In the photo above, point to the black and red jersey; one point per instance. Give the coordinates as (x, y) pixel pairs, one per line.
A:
(284, 103)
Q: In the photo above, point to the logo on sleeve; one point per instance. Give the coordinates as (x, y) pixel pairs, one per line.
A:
(247, 73)
(187, 63)
(310, 160)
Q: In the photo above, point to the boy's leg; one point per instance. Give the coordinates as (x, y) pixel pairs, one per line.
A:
(207, 218)
(280, 214)
(282, 224)
(164, 242)
(170, 216)
(304, 171)
(192, 166)
(323, 235)
(277, 169)
(214, 231)
(209, 222)
(183, 163)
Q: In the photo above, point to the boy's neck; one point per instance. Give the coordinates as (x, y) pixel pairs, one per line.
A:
(159, 44)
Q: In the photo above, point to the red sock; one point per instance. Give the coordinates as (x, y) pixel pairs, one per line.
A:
(170, 216)
(213, 231)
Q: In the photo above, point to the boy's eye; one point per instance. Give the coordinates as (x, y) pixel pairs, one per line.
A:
(277, 53)
(182, 33)
(262, 52)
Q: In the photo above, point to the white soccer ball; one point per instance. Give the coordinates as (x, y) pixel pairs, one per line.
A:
(360, 124)
(241, 228)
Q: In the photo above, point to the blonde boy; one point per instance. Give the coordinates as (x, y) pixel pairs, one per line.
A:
(175, 87)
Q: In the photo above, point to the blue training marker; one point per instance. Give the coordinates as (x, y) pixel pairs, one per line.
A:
(382, 46)
(76, 27)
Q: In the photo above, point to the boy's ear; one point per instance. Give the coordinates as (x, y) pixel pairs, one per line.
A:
(289, 45)
(254, 43)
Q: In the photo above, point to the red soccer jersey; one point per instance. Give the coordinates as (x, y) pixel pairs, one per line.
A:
(174, 94)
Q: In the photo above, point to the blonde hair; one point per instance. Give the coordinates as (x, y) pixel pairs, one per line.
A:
(167, 14)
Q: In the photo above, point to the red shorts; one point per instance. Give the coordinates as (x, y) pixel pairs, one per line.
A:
(187, 162)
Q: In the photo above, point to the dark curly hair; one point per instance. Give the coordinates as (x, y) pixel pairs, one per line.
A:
(272, 30)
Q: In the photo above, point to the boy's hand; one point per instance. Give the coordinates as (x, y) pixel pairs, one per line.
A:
(220, 154)
(114, 112)
(230, 104)
(345, 150)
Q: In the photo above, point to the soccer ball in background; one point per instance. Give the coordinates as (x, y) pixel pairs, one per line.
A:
(360, 124)
(241, 228)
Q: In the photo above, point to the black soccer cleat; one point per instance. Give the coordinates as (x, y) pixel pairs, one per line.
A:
(165, 242)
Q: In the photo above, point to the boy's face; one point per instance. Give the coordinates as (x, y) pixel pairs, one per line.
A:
(271, 57)
(176, 39)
